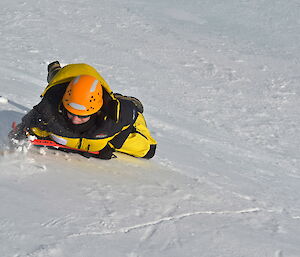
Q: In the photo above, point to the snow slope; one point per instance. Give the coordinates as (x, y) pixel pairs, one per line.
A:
(220, 85)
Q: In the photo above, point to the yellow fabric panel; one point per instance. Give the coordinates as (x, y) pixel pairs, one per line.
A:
(141, 126)
(86, 144)
(40, 133)
(136, 144)
(97, 144)
(68, 72)
(93, 145)
(82, 144)
(70, 142)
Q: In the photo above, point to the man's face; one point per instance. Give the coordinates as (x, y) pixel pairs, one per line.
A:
(78, 119)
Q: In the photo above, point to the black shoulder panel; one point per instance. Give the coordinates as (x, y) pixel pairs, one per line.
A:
(128, 112)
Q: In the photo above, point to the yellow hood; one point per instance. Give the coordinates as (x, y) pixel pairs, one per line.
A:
(71, 71)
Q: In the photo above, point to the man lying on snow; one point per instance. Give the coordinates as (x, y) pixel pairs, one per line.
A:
(79, 110)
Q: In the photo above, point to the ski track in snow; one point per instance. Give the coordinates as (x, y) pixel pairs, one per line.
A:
(162, 220)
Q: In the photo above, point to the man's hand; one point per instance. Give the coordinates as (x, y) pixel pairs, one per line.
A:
(18, 132)
(106, 153)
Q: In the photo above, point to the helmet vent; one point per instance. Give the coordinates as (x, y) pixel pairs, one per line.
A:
(76, 80)
(94, 85)
(77, 106)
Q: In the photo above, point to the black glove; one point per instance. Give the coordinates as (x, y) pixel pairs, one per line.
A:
(106, 153)
(19, 132)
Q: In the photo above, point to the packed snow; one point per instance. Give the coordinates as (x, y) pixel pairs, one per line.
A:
(219, 81)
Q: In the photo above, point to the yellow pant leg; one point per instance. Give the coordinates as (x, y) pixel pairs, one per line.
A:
(138, 143)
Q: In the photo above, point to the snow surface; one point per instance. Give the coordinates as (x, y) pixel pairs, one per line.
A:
(220, 84)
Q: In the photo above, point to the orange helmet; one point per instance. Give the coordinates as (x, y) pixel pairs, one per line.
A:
(83, 96)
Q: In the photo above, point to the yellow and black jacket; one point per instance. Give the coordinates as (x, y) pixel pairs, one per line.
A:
(118, 125)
